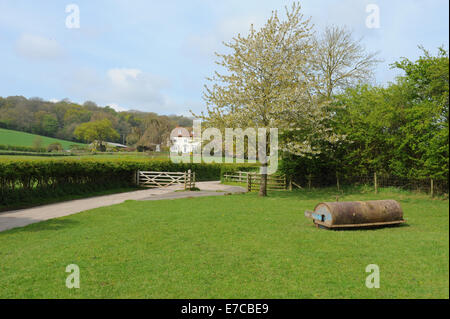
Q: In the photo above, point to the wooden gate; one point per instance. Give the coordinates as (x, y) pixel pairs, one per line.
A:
(239, 176)
(274, 182)
(154, 179)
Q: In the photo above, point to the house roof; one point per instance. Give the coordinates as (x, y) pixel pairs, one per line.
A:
(180, 132)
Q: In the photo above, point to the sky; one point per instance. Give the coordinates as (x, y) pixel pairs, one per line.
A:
(155, 56)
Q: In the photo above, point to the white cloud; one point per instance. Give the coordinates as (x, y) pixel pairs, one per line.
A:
(121, 88)
(121, 77)
(38, 48)
(126, 85)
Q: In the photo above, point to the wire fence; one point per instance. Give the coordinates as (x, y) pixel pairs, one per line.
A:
(425, 185)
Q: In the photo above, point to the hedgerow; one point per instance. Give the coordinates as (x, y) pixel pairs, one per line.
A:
(25, 179)
(22, 148)
(18, 153)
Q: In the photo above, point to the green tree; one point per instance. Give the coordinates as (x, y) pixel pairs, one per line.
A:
(76, 114)
(369, 121)
(97, 132)
(401, 129)
(424, 135)
(37, 144)
(49, 124)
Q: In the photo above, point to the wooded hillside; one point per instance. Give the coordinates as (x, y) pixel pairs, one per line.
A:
(60, 120)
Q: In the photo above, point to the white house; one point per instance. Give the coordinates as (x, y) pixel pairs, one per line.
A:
(182, 141)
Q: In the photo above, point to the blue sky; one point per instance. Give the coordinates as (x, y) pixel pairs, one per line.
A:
(155, 55)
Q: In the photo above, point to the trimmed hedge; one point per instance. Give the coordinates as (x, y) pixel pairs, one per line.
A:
(21, 148)
(22, 180)
(234, 168)
(17, 153)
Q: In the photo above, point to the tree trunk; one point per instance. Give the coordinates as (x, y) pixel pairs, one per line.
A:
(263, 182)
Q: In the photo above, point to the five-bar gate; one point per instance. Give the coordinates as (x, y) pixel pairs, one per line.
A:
(154, 179)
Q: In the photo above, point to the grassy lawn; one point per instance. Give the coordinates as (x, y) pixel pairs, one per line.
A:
(237, 246)
(17, 138)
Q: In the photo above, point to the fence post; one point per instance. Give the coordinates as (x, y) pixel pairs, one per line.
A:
(185, 181)
(190, 178)
(337, 181)
(240, 176)
(290, 183)
(375, 183)
(193, 179)
(432, 188)
(249, 183)
(137, 177)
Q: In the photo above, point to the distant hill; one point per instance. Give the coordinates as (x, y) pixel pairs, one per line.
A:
(17, 138)
(60, 120)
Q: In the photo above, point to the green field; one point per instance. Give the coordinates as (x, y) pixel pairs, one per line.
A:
(237, 246)
(17, 138)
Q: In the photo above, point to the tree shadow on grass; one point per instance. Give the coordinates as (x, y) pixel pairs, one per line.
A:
(48, 225)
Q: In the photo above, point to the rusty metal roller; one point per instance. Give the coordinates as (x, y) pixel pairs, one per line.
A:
(356, 214)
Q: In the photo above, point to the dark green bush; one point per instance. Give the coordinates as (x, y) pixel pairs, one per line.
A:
(233, 168)
(55, 147)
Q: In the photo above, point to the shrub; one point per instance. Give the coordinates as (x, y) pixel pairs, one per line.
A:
(54, 147)
(37, 143)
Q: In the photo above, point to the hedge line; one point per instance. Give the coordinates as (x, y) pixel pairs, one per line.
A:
(18, 153)
(22, 148)
(22, 180)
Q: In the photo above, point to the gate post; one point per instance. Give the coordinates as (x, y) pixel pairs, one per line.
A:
(190, 179)
(375, 182)
(432, 188)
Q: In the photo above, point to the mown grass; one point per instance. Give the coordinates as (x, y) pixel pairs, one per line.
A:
(17, 138)
(237, 246)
